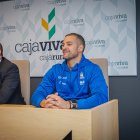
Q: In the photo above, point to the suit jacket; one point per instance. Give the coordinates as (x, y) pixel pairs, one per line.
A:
(10, 89)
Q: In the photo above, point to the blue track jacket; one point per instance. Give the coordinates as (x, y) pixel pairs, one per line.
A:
(85, 83)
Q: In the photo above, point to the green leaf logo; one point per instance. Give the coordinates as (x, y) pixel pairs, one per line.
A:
(45, 24)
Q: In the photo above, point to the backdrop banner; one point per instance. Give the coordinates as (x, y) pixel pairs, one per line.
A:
(34, 30)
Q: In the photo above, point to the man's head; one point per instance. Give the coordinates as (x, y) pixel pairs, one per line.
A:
(73, 46)
(1, 51)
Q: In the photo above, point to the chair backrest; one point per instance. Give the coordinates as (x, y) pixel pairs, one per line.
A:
(103, 63)
(24, 71)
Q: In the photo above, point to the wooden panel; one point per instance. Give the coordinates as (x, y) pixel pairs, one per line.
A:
(20, 122)
(24, 70)
(105, 121)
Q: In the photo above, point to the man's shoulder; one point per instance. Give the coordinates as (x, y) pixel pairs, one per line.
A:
(7, 64)
(6, 61)
(55, 68)
(57, 65)
(87, 62)
(91, 66)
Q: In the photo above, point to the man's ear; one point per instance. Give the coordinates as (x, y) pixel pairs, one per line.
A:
(80, 48)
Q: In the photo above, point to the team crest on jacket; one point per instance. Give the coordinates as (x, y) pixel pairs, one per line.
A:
(82, 75)
(82, 81)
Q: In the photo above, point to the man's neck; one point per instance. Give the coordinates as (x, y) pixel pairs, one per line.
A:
(72, 62)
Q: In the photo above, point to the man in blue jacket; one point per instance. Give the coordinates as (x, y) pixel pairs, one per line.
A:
(77, 83)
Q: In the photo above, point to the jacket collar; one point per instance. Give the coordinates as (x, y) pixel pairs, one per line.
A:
(77, 66)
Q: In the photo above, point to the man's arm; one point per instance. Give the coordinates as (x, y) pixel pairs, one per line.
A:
(9, 84)
(46, 87)
(98, 89)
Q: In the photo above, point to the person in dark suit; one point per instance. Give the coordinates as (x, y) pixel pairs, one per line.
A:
(10, 89)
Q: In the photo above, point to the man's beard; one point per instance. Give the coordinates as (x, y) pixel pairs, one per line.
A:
(70, 57)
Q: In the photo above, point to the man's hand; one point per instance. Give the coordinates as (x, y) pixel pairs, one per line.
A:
(55, 101)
